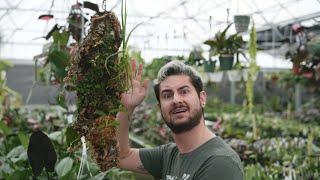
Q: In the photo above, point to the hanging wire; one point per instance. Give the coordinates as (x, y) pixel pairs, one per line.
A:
(228, 13)
(50, 9)
(104, 5)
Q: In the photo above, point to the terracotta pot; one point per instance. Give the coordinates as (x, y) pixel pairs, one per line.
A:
(296, 70)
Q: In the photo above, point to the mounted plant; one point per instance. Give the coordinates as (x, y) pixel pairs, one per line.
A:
(100, 75)
(226, 46)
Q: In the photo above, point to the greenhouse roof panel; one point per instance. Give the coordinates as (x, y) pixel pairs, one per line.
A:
(170, 27)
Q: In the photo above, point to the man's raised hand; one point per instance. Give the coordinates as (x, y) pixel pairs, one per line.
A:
(138, 90)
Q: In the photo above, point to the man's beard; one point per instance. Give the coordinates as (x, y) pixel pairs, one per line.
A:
(187, 125)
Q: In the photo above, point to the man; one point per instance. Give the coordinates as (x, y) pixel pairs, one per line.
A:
(197, 153)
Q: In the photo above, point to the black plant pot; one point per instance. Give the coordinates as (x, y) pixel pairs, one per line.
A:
(226, 62)
(241, 23)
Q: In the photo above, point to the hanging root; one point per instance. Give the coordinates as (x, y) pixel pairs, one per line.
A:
(102, 138)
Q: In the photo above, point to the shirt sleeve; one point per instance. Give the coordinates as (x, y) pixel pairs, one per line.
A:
(152, 160)
(222, 168)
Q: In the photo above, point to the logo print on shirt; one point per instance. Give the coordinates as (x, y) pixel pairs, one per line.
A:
(185, 176)
(169, 177)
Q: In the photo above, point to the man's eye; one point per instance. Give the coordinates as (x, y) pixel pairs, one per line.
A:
(166, 95)
(184, 91)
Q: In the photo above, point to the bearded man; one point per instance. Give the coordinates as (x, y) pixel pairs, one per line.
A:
(197, 153)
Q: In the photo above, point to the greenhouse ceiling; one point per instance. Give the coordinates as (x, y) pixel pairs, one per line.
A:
(167, 27)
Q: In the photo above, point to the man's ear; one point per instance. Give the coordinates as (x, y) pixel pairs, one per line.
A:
(203, 98)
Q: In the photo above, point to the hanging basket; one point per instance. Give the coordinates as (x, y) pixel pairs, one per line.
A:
(241, 23)
(215, 77)
(234, 75)
(204, 77)
(226, 62)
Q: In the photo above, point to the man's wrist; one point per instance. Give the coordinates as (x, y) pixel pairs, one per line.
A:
(129, 110)
(125, 114)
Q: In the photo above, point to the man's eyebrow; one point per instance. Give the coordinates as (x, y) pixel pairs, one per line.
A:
(184, 87)
(165, 90)
(180, 88)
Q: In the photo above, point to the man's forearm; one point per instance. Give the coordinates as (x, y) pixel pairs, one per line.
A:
(123, 133)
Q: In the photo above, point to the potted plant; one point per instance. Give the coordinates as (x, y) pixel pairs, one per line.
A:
(225, 46)
(195, 56)
(241, 23)
(210, 65)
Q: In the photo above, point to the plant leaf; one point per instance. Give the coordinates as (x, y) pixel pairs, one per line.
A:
(5, 65)
(71, 135)
(41, 153)
(4, 128)
(15, 152)
(23, 139)
(64, 166)
(56, 136)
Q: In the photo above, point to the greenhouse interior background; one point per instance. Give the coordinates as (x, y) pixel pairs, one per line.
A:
(259, 62)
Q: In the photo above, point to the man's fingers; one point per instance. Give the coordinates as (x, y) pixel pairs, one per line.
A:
(139, 73)
(133, 68)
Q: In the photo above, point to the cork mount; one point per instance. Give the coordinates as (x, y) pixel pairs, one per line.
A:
(100, 73)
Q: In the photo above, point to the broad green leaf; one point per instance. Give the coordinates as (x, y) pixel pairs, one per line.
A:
(61, 38)
(19, 174)
(64, 166)
(72, 174)
(71, 136)
(6, 169)
(99, 176)
(4, 128)
(24, 139)
(16, 154)
(22, 157)
(56, 136)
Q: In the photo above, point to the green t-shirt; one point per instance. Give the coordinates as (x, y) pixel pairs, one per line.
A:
(212, 160)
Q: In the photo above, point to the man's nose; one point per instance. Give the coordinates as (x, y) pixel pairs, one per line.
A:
(176, 98)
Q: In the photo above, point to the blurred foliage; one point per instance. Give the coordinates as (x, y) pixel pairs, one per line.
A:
(309, 112)
(8, 97)
(15, 130)
(55, 60)
(215, 107)
(147, 122)
(151, 70)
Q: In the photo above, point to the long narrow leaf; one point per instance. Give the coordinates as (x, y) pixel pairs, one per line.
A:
(128, 37)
